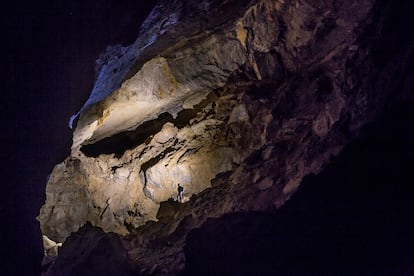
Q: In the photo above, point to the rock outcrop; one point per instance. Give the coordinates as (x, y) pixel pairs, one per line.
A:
(235, 100)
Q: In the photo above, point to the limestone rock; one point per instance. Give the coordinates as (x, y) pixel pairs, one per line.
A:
(50, 247)
(167, 133)
(235, 100)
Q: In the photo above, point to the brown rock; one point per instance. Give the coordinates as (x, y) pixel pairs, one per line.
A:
(258, 95)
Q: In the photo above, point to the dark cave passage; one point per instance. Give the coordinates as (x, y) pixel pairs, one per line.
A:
(123, 141)
(355, 218)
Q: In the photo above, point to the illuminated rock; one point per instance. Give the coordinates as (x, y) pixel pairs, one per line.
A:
(50, 247)
(237, 101)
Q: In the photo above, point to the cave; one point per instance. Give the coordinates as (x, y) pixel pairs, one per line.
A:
(123, 141)
(119, 143)
(290, 125)
(354, 217)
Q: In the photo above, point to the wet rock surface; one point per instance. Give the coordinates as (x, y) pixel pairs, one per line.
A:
(238, 111)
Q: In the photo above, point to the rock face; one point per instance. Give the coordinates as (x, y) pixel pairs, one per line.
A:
(93, 246)
(235, 100)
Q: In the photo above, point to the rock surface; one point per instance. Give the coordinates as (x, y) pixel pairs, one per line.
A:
(235, 100)
(92, 252)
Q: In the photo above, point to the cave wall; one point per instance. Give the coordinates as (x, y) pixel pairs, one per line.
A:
(352, 218)
(239, 110)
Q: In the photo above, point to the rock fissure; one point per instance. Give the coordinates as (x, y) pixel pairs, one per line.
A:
(104, 210)
(150, 163)
(121, 142)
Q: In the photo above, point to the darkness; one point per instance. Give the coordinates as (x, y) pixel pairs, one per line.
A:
(49, 52)
(355, 218)
(123, 141)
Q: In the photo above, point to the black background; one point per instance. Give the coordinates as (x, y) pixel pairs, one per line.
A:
(357, 217)
(48, 59)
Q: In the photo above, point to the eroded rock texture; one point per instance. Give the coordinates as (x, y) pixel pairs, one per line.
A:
(235, 100)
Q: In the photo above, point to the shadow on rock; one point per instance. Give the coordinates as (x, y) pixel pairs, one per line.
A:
(90, 251)
(353, 218)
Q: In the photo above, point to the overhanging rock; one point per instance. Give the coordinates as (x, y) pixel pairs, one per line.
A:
(235, 100)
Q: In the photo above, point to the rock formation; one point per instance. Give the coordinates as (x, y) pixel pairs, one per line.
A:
(235, 100)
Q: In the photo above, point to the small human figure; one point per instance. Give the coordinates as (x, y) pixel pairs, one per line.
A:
(180, 193)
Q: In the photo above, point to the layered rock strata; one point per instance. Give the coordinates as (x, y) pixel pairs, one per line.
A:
(235, 100)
